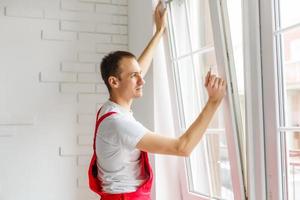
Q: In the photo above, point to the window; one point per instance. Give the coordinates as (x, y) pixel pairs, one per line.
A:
(281, 62)
(197, 41)
(287, 37)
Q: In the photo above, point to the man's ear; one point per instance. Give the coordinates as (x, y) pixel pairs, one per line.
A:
(113, 82)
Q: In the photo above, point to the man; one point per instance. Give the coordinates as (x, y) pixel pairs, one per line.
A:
(120, 168)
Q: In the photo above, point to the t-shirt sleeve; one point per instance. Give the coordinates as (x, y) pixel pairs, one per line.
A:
(130, 132)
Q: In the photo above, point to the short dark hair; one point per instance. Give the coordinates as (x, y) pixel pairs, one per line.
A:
(110, 65)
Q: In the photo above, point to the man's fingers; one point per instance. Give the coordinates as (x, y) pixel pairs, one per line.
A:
(212, 80)
(158, 7)
(164, 13)
(223, 82)
(207, 78)
(220, 81)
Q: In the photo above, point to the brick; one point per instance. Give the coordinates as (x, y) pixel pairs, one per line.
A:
(57, 77)
(99, 105)
(76, 87)
(59, 36)
(101, 88)
(92, 98)
(7, 131)
(123, 20)
(89, 78)
(81, 171)
(82, 183)
(98, 68)
(66, 151)
(85, 139)
(120, 2)
(96, 1)
(83, 160)
(81, 129)
(85, 118)
(1, 10)
(106, 48)
(90, 57)
(76, 6)
(79, 16)
(77, 26)
(16, 120)
(108, 28)
(95, 37)
(111, 9)
(86, 194)
(123, 29)
(120, 39)
(24, 12)
(111, 29)
(86, 108)
(77, 67)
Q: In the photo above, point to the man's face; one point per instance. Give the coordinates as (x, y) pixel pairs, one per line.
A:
(131, 80)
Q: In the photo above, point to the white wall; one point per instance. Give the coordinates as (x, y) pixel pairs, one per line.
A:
(50, 88)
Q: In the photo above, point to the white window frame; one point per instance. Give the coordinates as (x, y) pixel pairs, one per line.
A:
(255, 126)
(272, 88)
(223, 60)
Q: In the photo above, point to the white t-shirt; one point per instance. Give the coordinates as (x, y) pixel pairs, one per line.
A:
(118, 160)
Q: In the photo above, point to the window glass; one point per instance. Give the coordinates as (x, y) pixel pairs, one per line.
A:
(292, 150)
(188, 90)
(291, 69)
(235, 22)
(191, 36)
(288, 65)
(289, 12)
(180, 28)
(200, 24)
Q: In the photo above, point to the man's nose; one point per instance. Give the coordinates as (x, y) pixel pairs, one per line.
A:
(141, 80)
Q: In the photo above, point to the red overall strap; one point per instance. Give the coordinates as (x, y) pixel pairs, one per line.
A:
(98, 121)
(143, 191)
(94, 182)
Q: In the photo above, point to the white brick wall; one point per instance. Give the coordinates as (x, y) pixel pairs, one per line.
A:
(77, 66)
(120, 2)
(89, 57)
(77, 26)
(57, 35)
(99, 38)
(24, 12)
(50, 54)
(111, 9)
(1, 10)
(76, 6)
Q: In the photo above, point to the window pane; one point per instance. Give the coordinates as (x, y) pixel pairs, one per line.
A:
(203, 62)
(188, 90)
(291, 67)
(236, 31)
(219, 165)
(200, 24)
(179, 20)
(289, 12)
(199, 168)
(293, 164)
(215, 146)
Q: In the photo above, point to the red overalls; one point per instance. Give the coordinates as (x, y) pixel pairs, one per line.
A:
(143, 191)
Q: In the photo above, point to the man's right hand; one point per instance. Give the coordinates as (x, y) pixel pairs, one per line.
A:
(160, 18)
(215, 86)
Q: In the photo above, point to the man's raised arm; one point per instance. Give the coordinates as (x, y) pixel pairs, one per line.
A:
(184, 145)
(147, 55)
